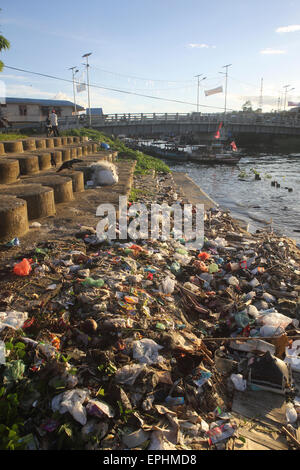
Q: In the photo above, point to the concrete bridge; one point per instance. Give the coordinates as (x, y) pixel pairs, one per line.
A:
(166, 124)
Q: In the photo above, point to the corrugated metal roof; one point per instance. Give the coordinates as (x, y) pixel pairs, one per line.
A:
(41, 102)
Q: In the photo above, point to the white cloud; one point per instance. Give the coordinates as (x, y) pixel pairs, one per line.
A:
(272, 51)
(27, 91)
(288, 29)
(200, 46)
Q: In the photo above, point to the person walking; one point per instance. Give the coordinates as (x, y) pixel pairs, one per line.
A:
(54, 123)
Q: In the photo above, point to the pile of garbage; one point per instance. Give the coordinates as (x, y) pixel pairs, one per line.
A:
(142, 345)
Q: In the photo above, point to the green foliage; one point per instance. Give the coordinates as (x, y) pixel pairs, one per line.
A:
(144, 163)
(4, 44)
(12, 136)
(124, 413)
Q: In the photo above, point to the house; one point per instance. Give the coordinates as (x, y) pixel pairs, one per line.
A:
(33, 111)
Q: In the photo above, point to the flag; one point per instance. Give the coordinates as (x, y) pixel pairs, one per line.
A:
(214, 91)
(81, 86)
(217, 136)
(233, 146)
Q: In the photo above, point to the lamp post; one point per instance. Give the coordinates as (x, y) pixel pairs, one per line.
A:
(74, 71)
(88, 84)
(198, 76)
(226, 84)
(286, 91)
(286, 87)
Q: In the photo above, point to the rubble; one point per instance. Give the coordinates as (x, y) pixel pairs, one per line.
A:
(144, 344)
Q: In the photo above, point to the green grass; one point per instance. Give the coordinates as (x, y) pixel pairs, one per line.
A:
(12, 136)
(144, 163)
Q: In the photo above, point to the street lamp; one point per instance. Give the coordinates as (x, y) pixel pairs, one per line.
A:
(74, 71)
(88, 84)
(286, 87)
(226, 82)
(198, 76)
(287, 91)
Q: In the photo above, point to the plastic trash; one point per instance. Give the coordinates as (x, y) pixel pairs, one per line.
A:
(146, 351)
(104, 146)
(213, 268)
(233, 281)
(90, 282)
(174, 401)
(23, 268)
(12, 319)
(242, 320)
(128, 374)
(204, 256)
(136, 438)
(268, 297)
(13, 242)
(104, 174)
(291, 413)
(2, 352)
(239, 382)
(292, 356)
(254, 282)
(72, 401)
(220, 433)
(204, 377)
(275, 319)
(99, 409)
(267, 331)
(168, 285)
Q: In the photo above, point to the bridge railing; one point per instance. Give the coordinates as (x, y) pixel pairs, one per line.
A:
(156, 118)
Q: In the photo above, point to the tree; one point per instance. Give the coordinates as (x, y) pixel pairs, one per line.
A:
(247, 106)
(4, 44)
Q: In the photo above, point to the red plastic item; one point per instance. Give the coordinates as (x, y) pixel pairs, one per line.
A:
(204, 256)
(23, 268)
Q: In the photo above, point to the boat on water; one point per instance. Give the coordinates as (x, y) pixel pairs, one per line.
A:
(170, 152)
(214, 154)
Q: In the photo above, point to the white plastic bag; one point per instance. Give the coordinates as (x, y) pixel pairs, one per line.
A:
(12, 319)
(146, 351)
(275, 319)
(239, 383)
(2, 352)
(168, 285)
(72, 401)
(104, 174)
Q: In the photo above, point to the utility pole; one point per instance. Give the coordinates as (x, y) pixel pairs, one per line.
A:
(198, 76)
(226, 84)
(261, 94)
(286, 91)
(286, 87)
(88, 85)
(74, 71)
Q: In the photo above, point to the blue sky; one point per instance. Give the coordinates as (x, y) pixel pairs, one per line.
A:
(154, 47)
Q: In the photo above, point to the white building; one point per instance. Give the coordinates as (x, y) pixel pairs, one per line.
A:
(33, 111)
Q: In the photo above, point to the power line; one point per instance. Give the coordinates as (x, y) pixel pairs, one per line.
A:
(139, 78)
(110, 89)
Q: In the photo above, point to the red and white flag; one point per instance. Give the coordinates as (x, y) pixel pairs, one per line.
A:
(233, 146)
(217, 136)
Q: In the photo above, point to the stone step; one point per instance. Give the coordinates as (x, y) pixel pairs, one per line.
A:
(40, 199)
(14, 218)
(31, 187)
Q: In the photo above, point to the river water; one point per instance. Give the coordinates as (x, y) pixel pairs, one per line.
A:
(256, 202)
